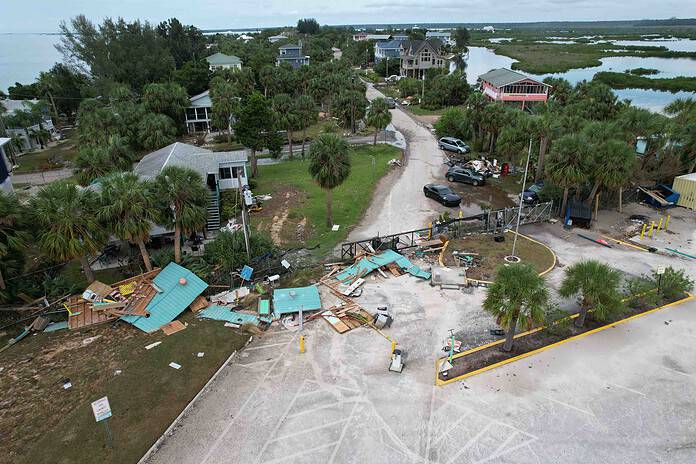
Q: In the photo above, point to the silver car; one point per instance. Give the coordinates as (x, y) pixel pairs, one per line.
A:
(453, 144)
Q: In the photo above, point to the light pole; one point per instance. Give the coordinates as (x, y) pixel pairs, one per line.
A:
(519, 210)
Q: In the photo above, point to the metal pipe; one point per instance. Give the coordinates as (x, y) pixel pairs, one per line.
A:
(524, 185)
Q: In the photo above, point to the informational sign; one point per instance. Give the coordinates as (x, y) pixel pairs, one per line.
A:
(660, 270)
(101, 409)
(246, 272)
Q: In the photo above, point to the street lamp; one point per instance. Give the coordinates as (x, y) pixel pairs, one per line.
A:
(513, 258)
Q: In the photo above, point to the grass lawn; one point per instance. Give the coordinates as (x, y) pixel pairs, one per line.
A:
(54, 157)
(296, 216)
(73, 272)
(42, 422)
(491, 254)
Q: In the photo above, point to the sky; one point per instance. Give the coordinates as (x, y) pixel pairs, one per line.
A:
(46, 15)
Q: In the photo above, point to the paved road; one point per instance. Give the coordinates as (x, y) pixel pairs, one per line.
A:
(624, 395)
(41, 178)
(399, 204)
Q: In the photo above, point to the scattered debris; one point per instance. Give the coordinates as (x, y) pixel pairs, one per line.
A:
(225, 313)
(201, 354)
(173, 327)
(66, 384)
(174, 365)
(335, 227)
(152, 345)
(198, 304)
(89, 340)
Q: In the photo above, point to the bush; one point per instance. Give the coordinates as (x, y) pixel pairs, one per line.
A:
(409, 87)
(674, 284)
(228, 253)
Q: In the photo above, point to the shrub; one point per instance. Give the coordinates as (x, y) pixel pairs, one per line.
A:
(673, 284)
(453, 123)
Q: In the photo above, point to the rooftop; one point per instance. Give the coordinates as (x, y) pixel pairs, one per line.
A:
(199, 159)
(289, 46)
(501, 77)
(222, 59)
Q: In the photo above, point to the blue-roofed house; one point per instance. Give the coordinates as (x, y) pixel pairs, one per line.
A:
(292, 54)
(177, 287)
(388, 49)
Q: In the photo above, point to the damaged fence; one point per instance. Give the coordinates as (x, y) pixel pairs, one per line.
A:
(491, 221)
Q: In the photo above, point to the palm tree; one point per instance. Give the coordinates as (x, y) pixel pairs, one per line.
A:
(493, 119)
(543, 126)
(91, 163)
(329, 165)
(225, 98)
(598, 286)
(378, 116)
(518, 296)
(566, 162)
(612, 164)
(308, 115)
(287, 116)
(128, 208)
(475, 103)
(13, 230)
(66, 225)
(156, 131)
(181, 199)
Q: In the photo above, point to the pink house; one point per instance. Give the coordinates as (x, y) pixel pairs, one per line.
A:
(510, 86)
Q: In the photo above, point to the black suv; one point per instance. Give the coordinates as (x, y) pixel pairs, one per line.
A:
(531, 193)
(442, 194)
(460, 174)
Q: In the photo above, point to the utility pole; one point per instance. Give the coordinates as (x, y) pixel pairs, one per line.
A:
(352, 105)
(244, 224)
(524, 186)
(423, 88)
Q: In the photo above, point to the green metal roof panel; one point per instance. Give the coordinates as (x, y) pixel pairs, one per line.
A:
(264, 307)
(172, 300)
(370, 263)
(224, 313)
(291, 300)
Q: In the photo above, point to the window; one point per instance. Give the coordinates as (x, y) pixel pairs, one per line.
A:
(282, 51)
(190, 113)
(225, 173)
(425, 55)
(200, 113)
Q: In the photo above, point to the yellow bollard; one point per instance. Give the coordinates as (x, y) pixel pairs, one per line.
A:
(461, 214)
(667, 221)
(652, 225)
(659, 226)
(642, 232)
(302, 348)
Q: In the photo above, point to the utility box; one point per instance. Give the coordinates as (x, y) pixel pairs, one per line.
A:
(686, 186)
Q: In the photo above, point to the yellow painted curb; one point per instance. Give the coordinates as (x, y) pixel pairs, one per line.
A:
(439, 361)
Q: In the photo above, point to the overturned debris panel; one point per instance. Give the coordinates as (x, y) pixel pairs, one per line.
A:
(369, 263)
(224, 313)
(292, 300)
(177, 288)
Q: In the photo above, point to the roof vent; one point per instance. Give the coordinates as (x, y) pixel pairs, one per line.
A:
(182, 281)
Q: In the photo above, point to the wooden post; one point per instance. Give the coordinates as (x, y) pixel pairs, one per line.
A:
(596, 207)
(620, 199)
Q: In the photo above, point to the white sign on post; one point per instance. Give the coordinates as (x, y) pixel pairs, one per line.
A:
(660, 270)
(101, 409)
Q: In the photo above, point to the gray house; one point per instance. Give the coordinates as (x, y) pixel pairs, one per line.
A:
(5, 166)
(390, 49)
(292, 54)
(199, 113)
(417, 56)
(223, 170)
(222, 61)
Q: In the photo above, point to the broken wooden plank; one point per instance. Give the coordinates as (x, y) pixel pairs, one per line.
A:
(173, 327)
(354, 286)
(108, 305)
(198, 304)
(336, 323)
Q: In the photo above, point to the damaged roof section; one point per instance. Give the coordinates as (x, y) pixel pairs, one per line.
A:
(369, 263)
(177, 288)
(292, 300)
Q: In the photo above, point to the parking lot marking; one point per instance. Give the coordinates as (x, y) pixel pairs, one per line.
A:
(628, 389)
(343, 434)
(225, 431)
(300, 453)
(470, 443)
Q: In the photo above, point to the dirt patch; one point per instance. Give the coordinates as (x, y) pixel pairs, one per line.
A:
(487, 254)
(275, 217)
(487, 196)
(553, 334)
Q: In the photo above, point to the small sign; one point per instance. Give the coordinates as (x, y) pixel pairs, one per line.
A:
(660, 270)
(246, 272)
(101, 409)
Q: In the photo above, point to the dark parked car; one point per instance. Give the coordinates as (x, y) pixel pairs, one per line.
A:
(453, 144)
(442, 194)
(391, 103)
(460, 174)
(531, 193)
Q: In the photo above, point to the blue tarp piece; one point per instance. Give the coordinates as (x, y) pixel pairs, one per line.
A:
(173, 299)
(291, 300)
(224, 313)
(55, 326)
(370, 263)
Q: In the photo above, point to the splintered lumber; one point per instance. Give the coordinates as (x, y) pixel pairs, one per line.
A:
(354, 286)
(100, 289)
(337, 324)
(381, 272)
(39, 324)
(138, 301)
(84, 316)
(173, 327)
(394, 269)
(108, 305)
(198, 304)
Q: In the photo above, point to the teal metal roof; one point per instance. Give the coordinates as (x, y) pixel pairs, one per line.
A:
(291, 300)
(173, 299)
(264, 307)
(224, 313)
(370, 263)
